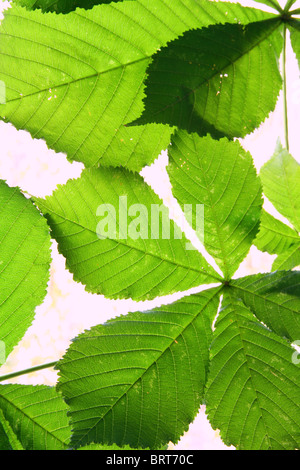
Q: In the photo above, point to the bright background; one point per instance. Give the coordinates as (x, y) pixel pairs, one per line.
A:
(68, 309)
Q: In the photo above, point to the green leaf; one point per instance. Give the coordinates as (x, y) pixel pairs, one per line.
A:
(37, 415)
(8, 439)
(139, 379)
(294, 27)
(274, 236)
(275, 299)
(75, 80)
(253, 389)
(61, 6)
(281, 183)
(24, 265)
(220, 175)
(216, 80)
(271, 3)
(288, 260)
(140, 258)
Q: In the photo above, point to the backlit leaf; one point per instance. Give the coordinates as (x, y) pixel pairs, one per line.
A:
(253, 391)
(220, 175)
(139, 379)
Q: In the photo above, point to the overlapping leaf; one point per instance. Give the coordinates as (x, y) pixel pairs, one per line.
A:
(216, 80)
(253, 390)
(75, 80)
(274, 299)
(24, 264)
(37, 415)
(220, 175)
(274, 236)
(281, 182)
(8, 439)
(294, 27)
(137, 259)
(288, 260)
(61, 6)
(139, 379)
(270, 3)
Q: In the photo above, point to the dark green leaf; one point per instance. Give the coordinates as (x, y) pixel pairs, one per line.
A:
(216, 80)
(8, 439)
(274, 236)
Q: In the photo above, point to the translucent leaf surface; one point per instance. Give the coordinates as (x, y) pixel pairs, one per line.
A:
(75, 80)
(274, 299)
(61, 6)
(253, 391)
(139, 379)
(137, 259)
(37, 415)
(274, 236)
(281, 183)
(24, 265)
(216, 80)
(220, 175)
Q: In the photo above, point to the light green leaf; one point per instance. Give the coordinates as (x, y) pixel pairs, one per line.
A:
(294, 27)
(140, 258)
(281, 183)
(37, 415)
(75, 80)
(288, 259)
(216, 80)
(8, 439)
(24, 265)
(274, 298)
(253, 389)
(271, 3)
(139, 379)
(61, 6)
(274, 236)
(220, 175)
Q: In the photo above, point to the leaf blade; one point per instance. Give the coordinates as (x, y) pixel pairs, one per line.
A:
(138, 356)
(37, 415)
(220, 175)
(24, 264)
(200, 82)
(138, 263)
(274, 299)
(253, 381)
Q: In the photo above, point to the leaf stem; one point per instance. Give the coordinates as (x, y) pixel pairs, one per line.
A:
(27, 371)
(286, 129)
